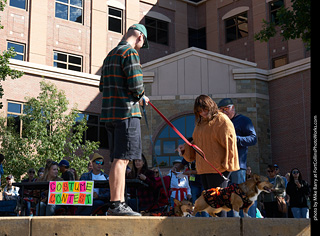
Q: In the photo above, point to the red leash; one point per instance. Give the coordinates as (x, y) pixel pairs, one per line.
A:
(195, 147)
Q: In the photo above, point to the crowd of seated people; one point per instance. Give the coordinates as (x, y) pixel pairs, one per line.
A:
(35, 202)
(142, 198)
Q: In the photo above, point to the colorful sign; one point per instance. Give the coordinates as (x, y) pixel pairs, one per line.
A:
(71, 193)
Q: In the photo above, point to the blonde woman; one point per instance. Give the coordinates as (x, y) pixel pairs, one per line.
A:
(50, 174)
(215, 135)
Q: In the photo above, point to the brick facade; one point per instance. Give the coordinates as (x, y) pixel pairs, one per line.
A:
(277, 101)
(290, 122)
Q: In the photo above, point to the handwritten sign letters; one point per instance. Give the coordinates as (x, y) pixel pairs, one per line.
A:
(71, 193)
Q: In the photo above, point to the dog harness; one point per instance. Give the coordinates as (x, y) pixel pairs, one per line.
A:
(219, 197)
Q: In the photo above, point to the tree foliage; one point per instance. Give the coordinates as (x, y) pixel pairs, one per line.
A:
(49, 132)
(293, 23)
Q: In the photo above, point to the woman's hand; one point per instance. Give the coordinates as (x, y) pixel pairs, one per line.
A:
(297, 183)
(180, 149)
(142, 177)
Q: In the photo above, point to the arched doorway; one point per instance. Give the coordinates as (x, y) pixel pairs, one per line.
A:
(167, 140)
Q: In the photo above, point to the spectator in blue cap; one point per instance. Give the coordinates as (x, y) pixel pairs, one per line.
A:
(64, 169)
(246, 136)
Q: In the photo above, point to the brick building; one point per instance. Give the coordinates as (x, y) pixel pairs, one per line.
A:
(196, 46)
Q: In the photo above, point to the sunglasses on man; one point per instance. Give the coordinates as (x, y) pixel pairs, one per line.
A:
(99, 162)
(226, 108)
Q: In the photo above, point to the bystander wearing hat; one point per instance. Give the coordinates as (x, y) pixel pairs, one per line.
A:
(64, 169)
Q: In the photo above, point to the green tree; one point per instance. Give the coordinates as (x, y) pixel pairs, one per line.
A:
(292, 23)
(5, 70)
(49, 132)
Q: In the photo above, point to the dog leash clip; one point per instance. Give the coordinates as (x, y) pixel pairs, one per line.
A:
(225, 178)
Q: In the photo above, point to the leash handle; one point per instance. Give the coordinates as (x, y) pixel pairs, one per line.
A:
(195, 147)
(144, 111)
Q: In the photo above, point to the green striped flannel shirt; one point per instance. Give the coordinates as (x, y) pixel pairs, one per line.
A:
(121, 84)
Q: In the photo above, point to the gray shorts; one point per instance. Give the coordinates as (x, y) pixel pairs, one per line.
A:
(124, 137)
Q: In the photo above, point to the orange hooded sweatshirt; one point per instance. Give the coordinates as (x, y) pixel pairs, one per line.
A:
(218, 140)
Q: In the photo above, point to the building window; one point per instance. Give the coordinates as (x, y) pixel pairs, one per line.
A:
(19, 49)
(15, 110)
(96, 130)
(279, 61)
(115, 20)
(67, 61)
(71, 10)
(167, 140)
(197, 38)
(274, 7)
(157, 30)
(236, 27)
(19, 4)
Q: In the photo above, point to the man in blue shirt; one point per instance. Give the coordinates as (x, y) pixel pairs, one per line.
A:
(101, 196)
(246, 136)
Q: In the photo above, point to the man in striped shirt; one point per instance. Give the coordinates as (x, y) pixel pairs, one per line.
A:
(122, 90)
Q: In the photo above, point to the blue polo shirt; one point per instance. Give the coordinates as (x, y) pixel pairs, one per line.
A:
(246, 136)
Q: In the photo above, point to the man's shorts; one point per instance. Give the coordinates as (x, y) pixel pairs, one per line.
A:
(124, 138)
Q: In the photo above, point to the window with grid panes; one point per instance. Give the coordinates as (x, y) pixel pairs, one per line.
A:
(115, 20)
(274, 7)
(167, 140)
(67, 61)
(158, 30)
(71, 10)
(14, 111)
(236, 27)
(96, 130)
(18, 3)
(197, 38)
(19, 48)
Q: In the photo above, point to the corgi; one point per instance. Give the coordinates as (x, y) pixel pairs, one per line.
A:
(233, 197)
(182, 208)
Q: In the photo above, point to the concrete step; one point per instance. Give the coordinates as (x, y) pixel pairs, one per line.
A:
(151, 226)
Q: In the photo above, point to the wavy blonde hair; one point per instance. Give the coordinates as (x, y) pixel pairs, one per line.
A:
(49, 164)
